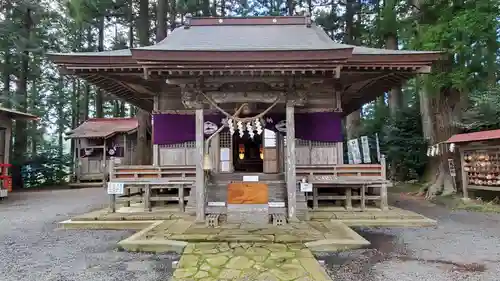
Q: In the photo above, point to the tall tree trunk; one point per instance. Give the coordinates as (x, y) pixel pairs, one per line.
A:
(7, 71)
(223, 8)
(173, 14)
(161, 25)
(21, 137)
(205, 7)
(60, 122)
(130, 19)
(6, 78)
(391, 42)
(290, 7)
(99, 95)
(213, 8)
(143, 150)
(436, 107)
(86, 94)
(353, 120)
(122, 109)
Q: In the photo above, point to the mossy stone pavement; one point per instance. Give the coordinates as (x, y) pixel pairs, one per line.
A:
(248, 261)
(245, 251)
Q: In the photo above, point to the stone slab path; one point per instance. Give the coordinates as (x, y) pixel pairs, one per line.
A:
(248, 261)
(181, 230)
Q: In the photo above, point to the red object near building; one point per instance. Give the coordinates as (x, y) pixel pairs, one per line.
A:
(5, 178)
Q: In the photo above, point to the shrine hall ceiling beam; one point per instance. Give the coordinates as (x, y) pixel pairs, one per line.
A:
(367, 94)
(117, 90)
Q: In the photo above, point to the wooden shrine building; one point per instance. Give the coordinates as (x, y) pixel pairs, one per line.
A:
(245, 108)
(97, 140)
(6, 118)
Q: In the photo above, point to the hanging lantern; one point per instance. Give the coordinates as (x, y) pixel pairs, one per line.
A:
(241, 151)
(250, 130)
(230, 124)
(261, 152)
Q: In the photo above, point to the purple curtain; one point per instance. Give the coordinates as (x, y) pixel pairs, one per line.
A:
(179, 128)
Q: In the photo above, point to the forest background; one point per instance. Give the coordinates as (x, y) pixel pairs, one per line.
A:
(462, 94)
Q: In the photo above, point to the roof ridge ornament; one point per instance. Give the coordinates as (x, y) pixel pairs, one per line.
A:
(187, 20)
(307, 16)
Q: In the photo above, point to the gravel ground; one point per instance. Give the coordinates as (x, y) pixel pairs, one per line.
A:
(34, 249)
(464, 246)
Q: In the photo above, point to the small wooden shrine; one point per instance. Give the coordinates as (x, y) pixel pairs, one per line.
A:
(480, 160)
(246, 108)
(6, 118)
(99, 141)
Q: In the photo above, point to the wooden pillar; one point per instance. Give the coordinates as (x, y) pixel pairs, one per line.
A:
(291, 181)
(465, 183)
(384, 204)
(156, 147)
(112, 197)
(338, 108)
(200, 174)
(104, 165)
(77, 161)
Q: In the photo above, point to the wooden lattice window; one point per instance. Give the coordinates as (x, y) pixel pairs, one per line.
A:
(225, 144)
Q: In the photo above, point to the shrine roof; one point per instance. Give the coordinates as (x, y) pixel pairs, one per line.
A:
(475, 136)
(247, 38)
(14, 114)
(253, 34)
(103, 127)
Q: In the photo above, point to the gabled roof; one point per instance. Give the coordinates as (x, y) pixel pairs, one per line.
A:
(247, 46)
(241, 39)
(476, 136)
(104, 127)
(18, 115)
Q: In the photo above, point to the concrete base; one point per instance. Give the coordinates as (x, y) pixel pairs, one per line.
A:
(248, 213)
(105, 225)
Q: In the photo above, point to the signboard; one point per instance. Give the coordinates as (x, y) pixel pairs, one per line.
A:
(276, 204)
(216, 204)
(306, 187)
(349, 153)
(355, 151)
(451, 166)
(251, 178)
(116, 188)
(366, 149)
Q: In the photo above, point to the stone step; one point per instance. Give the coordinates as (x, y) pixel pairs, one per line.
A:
(239, 177)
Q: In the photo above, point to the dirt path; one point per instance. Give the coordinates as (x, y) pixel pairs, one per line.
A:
(463, 246)
(34, 249)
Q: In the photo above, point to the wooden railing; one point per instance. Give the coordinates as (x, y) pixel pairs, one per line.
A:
(149, 181)
(357, 177)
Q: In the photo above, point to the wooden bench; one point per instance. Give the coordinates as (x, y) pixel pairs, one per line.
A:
(150, 181)
(359, 177)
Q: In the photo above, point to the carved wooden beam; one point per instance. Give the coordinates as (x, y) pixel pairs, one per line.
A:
(238, 79)
(241, 97)
(190, 96)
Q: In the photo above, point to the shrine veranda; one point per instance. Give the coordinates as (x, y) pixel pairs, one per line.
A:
(247, 117)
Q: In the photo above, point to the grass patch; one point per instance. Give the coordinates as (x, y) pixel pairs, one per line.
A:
(479, 206)
(455, 202)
